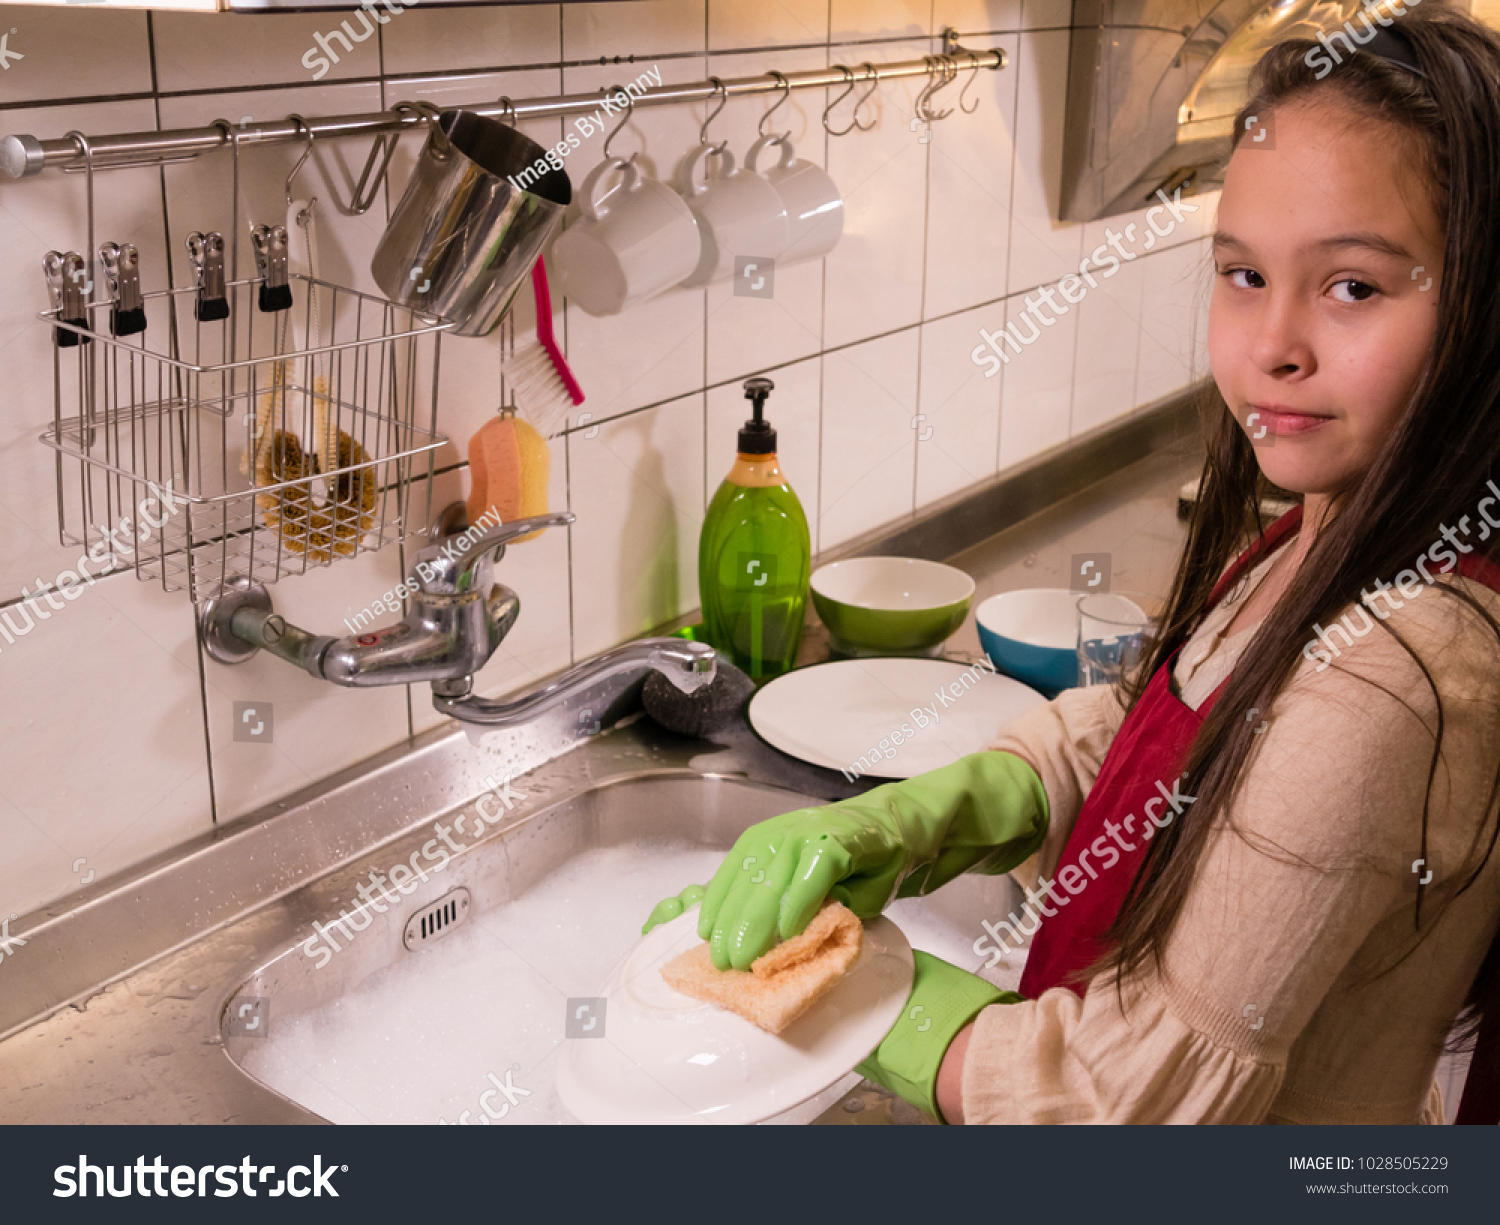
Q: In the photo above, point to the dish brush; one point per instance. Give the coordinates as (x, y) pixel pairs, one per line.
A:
(542, 386)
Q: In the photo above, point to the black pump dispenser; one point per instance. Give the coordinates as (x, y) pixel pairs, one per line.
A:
(757, 437)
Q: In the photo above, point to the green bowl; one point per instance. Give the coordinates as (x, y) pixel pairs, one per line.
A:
(890, 605)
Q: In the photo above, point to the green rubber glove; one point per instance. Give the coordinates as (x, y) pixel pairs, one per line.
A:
(986, 812)
(943, 1000)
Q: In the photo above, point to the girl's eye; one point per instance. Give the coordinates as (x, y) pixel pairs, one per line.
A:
(1359, 291)
(1255, 282)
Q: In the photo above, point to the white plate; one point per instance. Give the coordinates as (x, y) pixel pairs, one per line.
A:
(666, 1058)
(834, 714)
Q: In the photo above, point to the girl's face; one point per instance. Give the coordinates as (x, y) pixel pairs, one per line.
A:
(1329, 257)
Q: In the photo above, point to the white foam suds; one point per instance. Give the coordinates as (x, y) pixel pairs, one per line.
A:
(417, 1042)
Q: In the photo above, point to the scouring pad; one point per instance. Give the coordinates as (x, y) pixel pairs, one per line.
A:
(702, 712)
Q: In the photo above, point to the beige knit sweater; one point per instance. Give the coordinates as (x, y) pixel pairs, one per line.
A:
(1264, 1011)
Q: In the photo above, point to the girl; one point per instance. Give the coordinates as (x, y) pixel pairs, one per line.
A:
(1266, 862)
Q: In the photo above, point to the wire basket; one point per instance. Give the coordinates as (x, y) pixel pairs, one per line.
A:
(254, 458)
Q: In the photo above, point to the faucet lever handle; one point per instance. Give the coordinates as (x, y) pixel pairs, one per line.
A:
(504, 533)
(444, 569)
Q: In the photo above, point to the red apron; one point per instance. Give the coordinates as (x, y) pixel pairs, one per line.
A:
(1137, 776)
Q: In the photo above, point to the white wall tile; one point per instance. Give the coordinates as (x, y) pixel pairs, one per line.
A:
(858, 19)
(1046, 14)
(641, 28)
(318, 728)
(104, 755)
(967, 16)
(1042, 249)
(1176, 286)
(875, 273)
(69, 53)
(868, 450)
(215, 51)
(1110, 317)
(654, 350)
(958, 435)
(637, 489)
(451, 40)
(747, 333)
(1037, 396)
(971, 157)
(733, 24)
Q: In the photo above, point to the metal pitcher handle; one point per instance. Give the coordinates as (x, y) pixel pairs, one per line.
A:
(442, 146)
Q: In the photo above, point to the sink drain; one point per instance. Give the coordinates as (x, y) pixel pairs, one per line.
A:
(436, 920)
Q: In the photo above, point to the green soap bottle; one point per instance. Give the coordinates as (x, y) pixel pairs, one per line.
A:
(754, 554)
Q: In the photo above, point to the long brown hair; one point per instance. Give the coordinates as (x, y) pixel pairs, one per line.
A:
(1431, 469)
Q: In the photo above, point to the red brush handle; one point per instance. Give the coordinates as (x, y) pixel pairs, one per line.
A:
(544, 331)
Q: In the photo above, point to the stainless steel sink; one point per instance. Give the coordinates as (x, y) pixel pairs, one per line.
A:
(143, 998)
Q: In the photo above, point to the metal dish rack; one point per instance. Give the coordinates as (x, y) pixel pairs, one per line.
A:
(186, 428)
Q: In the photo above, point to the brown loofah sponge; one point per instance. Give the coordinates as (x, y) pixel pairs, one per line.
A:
(782, 983)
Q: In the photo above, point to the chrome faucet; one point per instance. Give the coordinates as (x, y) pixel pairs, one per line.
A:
(458, 617)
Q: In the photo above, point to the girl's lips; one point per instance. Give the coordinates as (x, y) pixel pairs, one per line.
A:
(1262, 421)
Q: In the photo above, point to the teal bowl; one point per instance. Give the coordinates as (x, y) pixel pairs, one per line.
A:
(1032, 635)
(890, 605)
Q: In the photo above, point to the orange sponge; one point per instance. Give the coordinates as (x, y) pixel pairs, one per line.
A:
(511, 468)
(782, 983)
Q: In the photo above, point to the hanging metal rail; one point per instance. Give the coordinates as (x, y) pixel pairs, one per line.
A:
(23, 156)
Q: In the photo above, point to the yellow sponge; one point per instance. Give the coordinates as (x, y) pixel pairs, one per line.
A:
(511, 468)
(782, 983)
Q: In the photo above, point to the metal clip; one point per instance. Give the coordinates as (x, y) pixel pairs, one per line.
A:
(206, 251)
(270, 243)
(68, 285)
(122, 277)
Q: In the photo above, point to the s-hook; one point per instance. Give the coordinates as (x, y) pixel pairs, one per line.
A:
(370, 179)
(827, 110)
(786, 91)
(859, 102)
(722, 91)
(629, 109)
(302, 125)
(964, 92)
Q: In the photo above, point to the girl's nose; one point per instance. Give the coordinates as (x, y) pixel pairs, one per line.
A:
(1279, 342)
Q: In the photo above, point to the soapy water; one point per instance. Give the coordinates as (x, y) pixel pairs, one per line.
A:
(482, 1013)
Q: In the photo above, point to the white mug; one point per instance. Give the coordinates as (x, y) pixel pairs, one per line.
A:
(739, 214)
(814, 208)
(633, 241)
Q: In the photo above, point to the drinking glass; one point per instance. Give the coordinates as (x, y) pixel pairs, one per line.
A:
(1113, 632)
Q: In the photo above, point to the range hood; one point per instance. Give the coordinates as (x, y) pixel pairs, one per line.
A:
(1154, 86)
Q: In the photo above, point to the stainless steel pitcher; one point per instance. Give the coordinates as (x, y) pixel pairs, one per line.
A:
(465, 236)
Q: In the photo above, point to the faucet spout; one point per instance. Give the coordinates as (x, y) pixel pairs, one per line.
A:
(688, 665)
